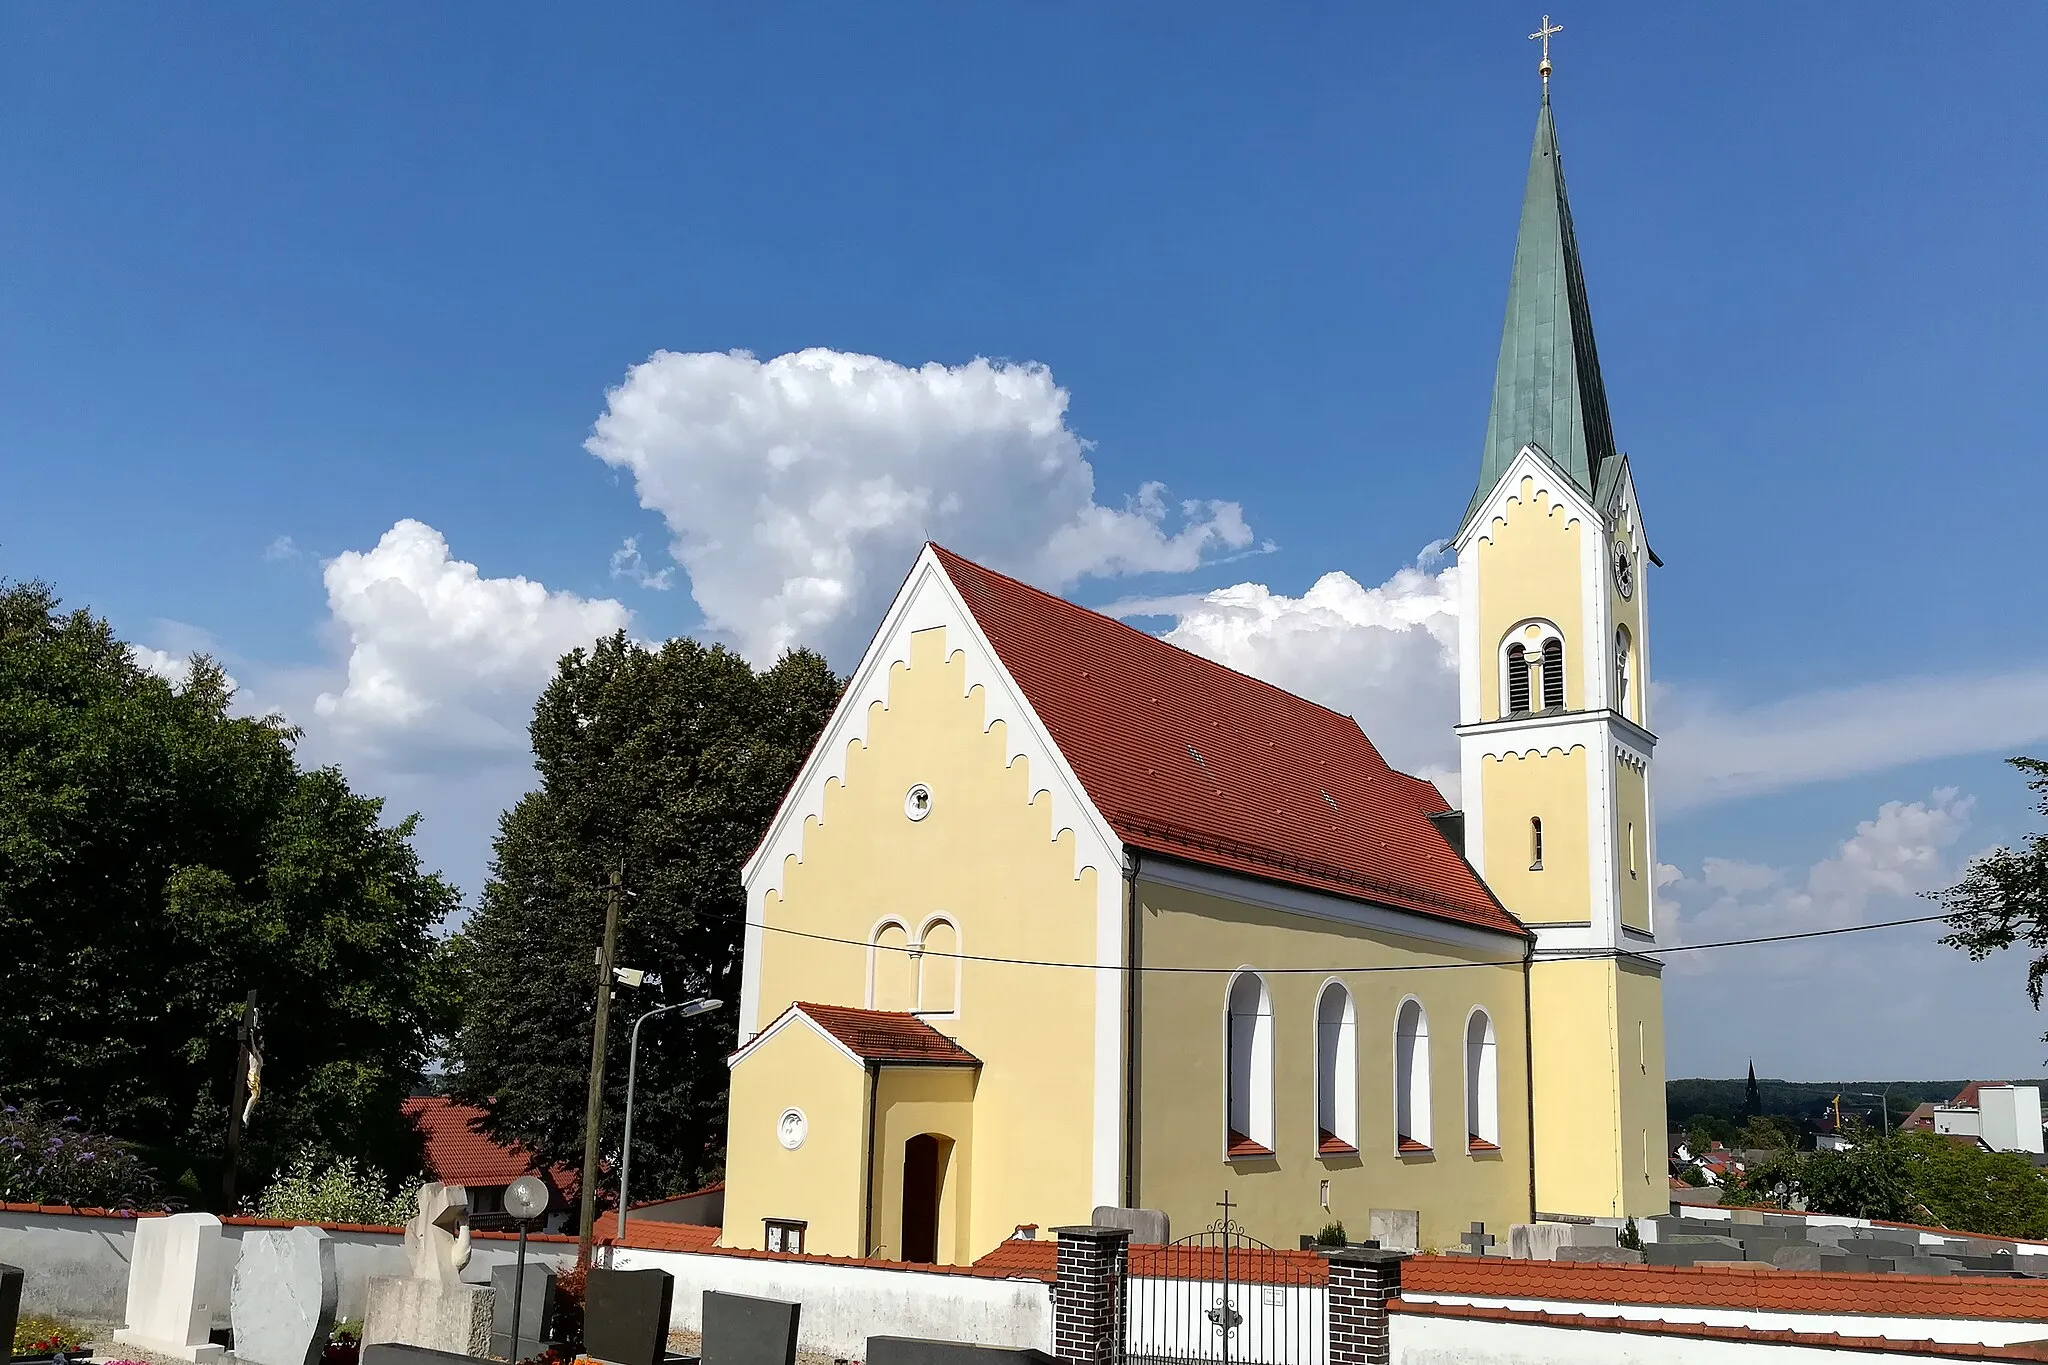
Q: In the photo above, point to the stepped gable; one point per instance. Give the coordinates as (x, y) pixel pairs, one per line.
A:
(1194, 761)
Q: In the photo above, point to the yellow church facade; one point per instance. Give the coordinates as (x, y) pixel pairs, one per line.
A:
(1058, 916)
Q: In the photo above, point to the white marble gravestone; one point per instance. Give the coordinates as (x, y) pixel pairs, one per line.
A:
(174, 1271)
(284, 1297)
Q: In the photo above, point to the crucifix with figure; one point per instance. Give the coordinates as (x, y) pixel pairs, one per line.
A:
(1544, 36)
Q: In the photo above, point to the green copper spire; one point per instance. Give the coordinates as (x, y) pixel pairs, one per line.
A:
(1546, 389)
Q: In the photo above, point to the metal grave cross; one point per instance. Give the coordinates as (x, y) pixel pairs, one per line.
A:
(1477, 1239)
(1544, 35)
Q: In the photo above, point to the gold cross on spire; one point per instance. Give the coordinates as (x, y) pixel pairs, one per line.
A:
(1544, 35)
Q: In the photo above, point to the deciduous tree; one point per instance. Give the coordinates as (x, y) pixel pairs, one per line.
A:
(2003, 897)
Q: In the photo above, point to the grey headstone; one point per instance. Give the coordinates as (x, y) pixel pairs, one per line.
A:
(1807, 1257)
(626, 1315)
(283, 1298)
(1616, 1255)
(1879, 1248)
(536, 1307)
(1595, 1235)
(1149, 1227)
(1395, 1229)
(1748, 1217)
(1676, 1253)
(10, 1308)
(1693, 1239)
(739, 1330)
(917, 1351)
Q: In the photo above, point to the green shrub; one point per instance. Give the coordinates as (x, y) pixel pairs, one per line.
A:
(1332, 1235)
(340, 1192)
(45, 1160)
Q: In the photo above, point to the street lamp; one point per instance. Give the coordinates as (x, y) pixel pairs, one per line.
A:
(687, 1008)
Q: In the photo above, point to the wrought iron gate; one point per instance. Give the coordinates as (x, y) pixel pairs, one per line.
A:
(1225, 1297)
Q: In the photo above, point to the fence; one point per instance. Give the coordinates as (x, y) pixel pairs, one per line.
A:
(1221, 1296)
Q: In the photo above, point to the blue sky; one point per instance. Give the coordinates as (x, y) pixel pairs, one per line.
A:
(305, 312)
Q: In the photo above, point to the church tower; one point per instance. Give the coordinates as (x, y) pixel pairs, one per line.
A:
(1555, 742)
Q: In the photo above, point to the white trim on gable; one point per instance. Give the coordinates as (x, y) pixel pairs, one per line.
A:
(782, 1022)
(1530, 463)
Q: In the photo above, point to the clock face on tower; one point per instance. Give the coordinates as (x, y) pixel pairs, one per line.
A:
(1624, 572)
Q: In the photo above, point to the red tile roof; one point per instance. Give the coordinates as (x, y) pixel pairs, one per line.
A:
(880, 1036)
(1762, 1288)
(649, 1234)
(1192, 760)
(1830, 1341)
(459, 1155)
(1023, 1258)
(1038, 1258)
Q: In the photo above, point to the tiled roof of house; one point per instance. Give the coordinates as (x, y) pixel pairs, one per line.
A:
(880, 1036)
(1764, 1288)
(1966, 1098)
(1023, 1257)
(1194, 761)
(1039, 1259)
(1922, 1118)
(649, 1234)
(459, 1155)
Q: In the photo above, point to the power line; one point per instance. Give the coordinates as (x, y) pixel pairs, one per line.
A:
(1349, 971)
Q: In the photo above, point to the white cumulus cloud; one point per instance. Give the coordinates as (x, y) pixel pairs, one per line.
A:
(1877, 873)
(439, 656)
(172, 667)
(797, 489)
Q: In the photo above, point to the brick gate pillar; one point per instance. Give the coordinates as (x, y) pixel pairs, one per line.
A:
(1362, 1280)
(1087, 1296)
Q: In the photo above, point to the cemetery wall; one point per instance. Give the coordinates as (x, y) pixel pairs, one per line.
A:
(846, 1303)
(77, 1260)
(1427, 1335)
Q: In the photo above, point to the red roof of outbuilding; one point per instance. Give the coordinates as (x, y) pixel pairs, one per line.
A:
(459, 1155)
(882, 1036)
(1194, 761)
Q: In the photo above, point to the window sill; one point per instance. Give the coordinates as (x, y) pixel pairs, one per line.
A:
(1479, 1146)
(1238, 1147)
(1408, 1146)
(1329, 1144)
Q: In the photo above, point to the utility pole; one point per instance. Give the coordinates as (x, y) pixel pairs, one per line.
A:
(593, 1108)
(238, 1100)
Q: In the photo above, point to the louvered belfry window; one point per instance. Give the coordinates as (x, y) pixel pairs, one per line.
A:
(1518, 679)
(1553, 674)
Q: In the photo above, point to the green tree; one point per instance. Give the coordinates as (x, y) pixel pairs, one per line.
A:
(666, 763)
(1970, 1189)
(2003, 896)
(1872, 1179)
(1767, 1134)
(160, 858)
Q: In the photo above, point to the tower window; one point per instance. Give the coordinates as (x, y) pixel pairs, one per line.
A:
(1535, 843)
(1632, 850)
(1553, 673)
(1518, 679)
(1621, 669)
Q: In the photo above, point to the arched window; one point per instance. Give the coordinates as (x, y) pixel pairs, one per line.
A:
(1535, 843)
(892, 979)
(1249, 1068)
(1621, 669)
(1482, 1085)
(1411, 1078)
(1553, 673)
(938, 969)
(1336, 1072)
(1518, 679)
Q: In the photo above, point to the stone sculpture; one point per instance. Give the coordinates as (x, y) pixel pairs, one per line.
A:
(437, 1236)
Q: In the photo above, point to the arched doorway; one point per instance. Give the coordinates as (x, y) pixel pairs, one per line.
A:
(924, 1182)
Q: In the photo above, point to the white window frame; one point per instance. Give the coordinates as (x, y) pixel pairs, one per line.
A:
(1532, 654)
(1411, 1075)
(922, 963)
(1482, 1083)
(1253, 1042)
(1336, 1054)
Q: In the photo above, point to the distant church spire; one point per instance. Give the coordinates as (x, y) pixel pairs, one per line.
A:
(1547, 390)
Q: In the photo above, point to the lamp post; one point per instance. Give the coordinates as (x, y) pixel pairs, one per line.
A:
(688, 1009)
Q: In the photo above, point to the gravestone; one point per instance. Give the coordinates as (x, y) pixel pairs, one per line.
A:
(392, 1353)
(917, 1351)
(1538, 1241)
(175, 1269)
(739, 1330)
(10, 1308)
(1395, 1229)
(1692, 1250)
(1607, 1255)
(283, 1298)
(1477, 1240)
(431, 1307)
(1803, 1256)
(626, 1315)
(1149, 1227)
(535, 1301)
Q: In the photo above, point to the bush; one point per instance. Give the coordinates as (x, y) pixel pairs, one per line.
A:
(36, 1335)
(46, 1160)
(1332, 1235)
(342, 1192)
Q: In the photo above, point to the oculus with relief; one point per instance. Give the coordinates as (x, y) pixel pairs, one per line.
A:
(792, 1128)
(917, 802)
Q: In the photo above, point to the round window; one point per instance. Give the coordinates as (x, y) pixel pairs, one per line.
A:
(917, 802)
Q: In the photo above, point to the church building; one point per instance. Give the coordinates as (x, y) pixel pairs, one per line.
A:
(1058, 915)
